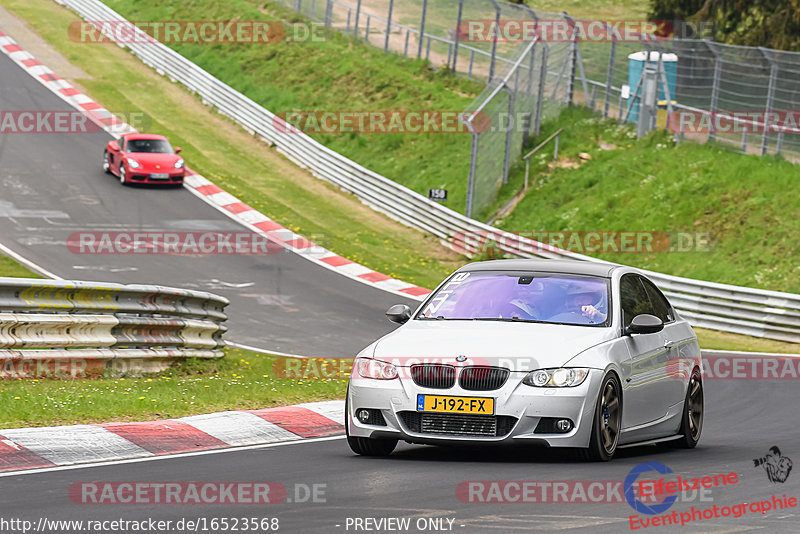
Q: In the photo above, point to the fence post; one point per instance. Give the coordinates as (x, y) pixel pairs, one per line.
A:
(610, 76)
(573, 60)
(509, 132)
(366, 32)
(494, 40)
(577, 60)
(668, 95)
(542, 80)
(349, 13)
(328, 13)
(405, 47)
(422, 27)
(773, 77)
(457, 37)
(388, 26)
(471, 61)
(473, 163)
(712, 133)
(358, 14)
(744, 140)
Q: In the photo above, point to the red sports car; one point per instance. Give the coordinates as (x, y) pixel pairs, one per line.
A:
(144, 159)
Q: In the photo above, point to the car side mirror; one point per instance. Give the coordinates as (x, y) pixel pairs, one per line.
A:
(399, 313)
(645, 324)
(177, 150)
(113, 145)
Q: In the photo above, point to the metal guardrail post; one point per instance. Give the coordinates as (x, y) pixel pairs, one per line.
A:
(349, 13)
(779, 146)
(366, 31)
(422, 27)
(712, 107)
(388, 27)
(358, 15)
(405, 47)
(458, 34)
(773, 78)
(744, 140)
(610, 75)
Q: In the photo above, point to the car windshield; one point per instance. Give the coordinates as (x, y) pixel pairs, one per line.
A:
(521, 296)
(159, 146)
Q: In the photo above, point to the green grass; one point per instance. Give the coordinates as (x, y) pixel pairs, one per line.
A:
(245, 166)
(713, 339)
(651, 185)
(241, 380)
(10, 267)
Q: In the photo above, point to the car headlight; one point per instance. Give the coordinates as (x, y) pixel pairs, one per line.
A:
(376, 369)
(133, 163)
(566, 377)
(179, 164)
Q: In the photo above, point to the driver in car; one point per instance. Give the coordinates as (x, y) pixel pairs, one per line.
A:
(583, 305)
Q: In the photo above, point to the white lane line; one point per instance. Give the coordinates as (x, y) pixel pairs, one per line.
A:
(238, 428)
(165, 457)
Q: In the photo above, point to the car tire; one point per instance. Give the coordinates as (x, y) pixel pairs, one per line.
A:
(122, 179)
(106, 164)
(606, 422)
(692, 420)
(365, 446)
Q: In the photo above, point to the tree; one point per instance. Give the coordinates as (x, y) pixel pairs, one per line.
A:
(768, 23)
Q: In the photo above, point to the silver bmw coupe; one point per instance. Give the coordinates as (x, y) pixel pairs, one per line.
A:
(556, 353)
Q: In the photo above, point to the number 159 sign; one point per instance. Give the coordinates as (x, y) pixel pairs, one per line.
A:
(437, 195)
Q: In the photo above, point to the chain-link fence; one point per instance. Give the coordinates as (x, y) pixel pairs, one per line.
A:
(741, 96)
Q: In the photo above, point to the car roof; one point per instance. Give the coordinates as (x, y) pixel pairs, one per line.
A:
(144, 136)
(588, 268)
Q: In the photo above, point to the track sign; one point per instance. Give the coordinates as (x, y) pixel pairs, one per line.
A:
(438, 195)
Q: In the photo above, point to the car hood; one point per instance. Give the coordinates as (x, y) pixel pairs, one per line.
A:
(518, 346)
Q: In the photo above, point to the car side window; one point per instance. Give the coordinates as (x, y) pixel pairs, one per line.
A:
(661, 307)
(633, 298)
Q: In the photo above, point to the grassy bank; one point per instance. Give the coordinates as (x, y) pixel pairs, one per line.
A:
(10, 267)
(241, 380)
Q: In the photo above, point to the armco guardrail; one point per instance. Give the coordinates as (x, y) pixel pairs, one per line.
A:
(729, 308)
(59, 328)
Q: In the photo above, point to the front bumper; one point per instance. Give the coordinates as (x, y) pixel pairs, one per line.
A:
(139, 176)
(521, 408)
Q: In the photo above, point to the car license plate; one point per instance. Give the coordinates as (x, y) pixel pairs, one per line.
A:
(440, 403)
(159, 176)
